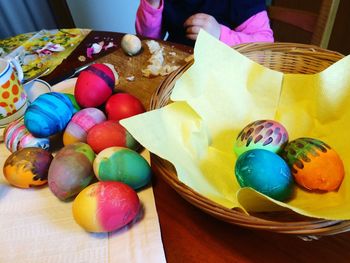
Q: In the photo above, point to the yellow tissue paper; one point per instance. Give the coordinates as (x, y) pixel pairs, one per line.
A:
(220, 94)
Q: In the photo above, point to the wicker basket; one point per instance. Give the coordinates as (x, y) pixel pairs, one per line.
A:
(284, 57)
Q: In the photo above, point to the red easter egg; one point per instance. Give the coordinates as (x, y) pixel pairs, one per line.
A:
(123, 105)
(108, 134)
(94, 85)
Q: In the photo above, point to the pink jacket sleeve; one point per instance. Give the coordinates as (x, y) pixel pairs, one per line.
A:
(149, 20)
(255, 29)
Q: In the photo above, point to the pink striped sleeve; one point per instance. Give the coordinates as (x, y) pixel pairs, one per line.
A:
(255, 29)
(149, 20)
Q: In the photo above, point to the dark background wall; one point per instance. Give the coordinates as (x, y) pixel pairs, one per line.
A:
(340, 37)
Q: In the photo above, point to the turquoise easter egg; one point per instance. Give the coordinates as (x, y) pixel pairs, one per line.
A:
(122, 165)
(262, 134)
(266, 172)
(49, 114)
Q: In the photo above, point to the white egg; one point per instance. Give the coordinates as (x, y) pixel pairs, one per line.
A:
(131, 44)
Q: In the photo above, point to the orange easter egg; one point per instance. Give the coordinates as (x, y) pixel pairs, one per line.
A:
(314, 164)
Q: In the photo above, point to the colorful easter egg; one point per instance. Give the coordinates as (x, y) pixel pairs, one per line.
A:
(49, 114)
(266, 172)
(27, 167)
(122, 165)
(105, 206)
(108, 134)
(16, 137)
(94, 85)
(81, 123)
(123, 105)
(71, 170)
(314, 164)
(263, 134)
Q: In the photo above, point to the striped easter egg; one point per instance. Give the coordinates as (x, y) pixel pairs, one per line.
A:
(94, 85)
(49, 114)
(81, 123)
(17, 136)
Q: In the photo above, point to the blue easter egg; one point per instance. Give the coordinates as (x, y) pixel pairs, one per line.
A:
(49, 114)
(266, 172)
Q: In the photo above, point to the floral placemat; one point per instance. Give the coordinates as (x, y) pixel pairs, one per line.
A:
(43, 50)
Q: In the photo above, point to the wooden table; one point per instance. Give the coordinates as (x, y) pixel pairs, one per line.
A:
(190, 235)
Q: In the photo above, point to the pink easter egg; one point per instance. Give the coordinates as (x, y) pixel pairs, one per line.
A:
(94, 85)
(106, 206)
(16, 137)
(81, 123)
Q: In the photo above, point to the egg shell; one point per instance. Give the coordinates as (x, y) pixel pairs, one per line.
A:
(105, 206)
(314, 164)
(262, 134)
(108, 134)
(49, 114)
(122, 165)
(27, 167)
(266, 172)
(123, 105)
(131, 44)
(35, 88)
(71, 170)
(81, 123)
(94, 85)
(16, 137)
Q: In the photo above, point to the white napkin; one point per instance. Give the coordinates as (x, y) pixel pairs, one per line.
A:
(36, 227)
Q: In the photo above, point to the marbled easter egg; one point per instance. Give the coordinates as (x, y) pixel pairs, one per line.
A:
(122, 165)
(71, 170)
(262, 134)
(108, 134)
(266, 172)
(16, 137)
(49, 114)
(314, 164)
(81, 123)
(105, 206)
(123, 105)
(94, 85)
(27, 167)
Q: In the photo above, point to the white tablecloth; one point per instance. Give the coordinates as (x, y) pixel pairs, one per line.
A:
(37, 227)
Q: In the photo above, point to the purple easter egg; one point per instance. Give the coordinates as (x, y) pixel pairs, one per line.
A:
(71, 170)
(262, 134)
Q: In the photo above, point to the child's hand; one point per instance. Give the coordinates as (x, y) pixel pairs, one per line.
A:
(154, 3)
(197, 21)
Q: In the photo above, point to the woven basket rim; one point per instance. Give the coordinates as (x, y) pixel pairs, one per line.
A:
(272, 55)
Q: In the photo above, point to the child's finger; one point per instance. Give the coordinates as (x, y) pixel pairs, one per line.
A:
(193, 29)
(195, 20)
(192, 36)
